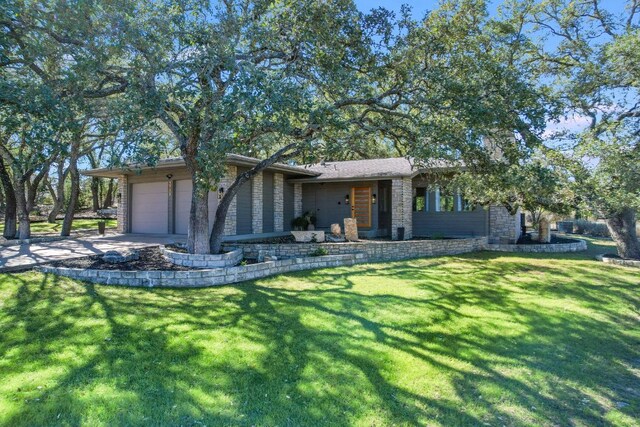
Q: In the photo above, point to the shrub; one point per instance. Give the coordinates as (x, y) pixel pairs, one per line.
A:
(589, 228)
(303, 222)
(320, 252)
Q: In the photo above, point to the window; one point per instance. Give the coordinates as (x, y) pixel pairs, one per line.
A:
(447, 202)
(420, 200)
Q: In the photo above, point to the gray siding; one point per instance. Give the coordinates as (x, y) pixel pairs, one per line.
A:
(450, 224)
(267, 202)
(447, 224)
(243, 215)
(326, 200)
(288, 204)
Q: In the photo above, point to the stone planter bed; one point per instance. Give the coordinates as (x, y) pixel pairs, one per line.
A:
(149, 259)
(559, 245)
(615, 259)
(195, 278)
(227, 259)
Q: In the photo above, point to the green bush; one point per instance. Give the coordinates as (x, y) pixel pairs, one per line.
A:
(589, 228)
(320, 252)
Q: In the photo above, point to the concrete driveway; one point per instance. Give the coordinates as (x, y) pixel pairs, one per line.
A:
(21, 257)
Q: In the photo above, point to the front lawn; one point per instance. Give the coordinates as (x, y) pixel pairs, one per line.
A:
(78, 224)
(480, 339)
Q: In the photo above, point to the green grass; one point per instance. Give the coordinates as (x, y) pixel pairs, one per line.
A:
(480, 339)
(78, 224)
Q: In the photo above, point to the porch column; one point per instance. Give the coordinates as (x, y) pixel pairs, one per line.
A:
(278, 202)
(123, 204)
(230, 222)
(297, 200)
(401, 211)
(502, 225)
(256, 204)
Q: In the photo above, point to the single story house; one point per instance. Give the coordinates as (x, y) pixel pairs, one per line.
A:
(384, 195)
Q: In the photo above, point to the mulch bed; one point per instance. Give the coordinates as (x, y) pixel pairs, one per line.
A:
(150, 259)
(269, 240)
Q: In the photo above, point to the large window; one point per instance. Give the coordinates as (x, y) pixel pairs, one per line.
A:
(447, 202)
(420, 199)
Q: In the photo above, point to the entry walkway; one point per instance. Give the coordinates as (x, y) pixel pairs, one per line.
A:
(21, 257)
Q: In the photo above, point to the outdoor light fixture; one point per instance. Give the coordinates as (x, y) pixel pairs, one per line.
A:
(346, 199)
(169, 175)
(373, 199)
(220, 193)
(119, 197)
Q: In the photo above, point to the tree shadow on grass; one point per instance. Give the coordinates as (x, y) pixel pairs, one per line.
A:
(455, 345)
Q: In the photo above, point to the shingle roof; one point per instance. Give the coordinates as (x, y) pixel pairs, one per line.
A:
(179, 161)
(370, 168)
(391, 167)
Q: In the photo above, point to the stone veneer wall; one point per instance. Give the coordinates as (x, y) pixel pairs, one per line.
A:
(577, 246)
(256, 203)
(401, 207)
(502, 225)
(230, 221)
(122, 214)
(297, 200)
(374, 250)
(203, 278)
(228, 259)
(278, 202)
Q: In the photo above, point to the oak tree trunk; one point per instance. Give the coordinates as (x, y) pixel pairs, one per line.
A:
(10, 211)
(24, 227)
(108, 197)
(622, 227)
(57, 194)
(198, 233)
(217, 233)
(95, 193)
(73, 196)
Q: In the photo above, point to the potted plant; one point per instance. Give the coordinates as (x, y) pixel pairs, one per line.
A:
(304, 229)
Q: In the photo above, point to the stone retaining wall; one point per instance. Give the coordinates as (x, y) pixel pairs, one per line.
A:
(228, 259)
(619, 261)
(204, 278)
(374, 250)
(577, 246)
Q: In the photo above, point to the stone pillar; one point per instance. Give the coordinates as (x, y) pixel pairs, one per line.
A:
(278, 202)
(256, 204)
(230, 222)
(407, 207)
(502, 225)
(297, 200)
(123, 204)
(401, 209)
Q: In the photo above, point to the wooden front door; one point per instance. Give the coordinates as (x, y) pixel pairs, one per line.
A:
(361, 205)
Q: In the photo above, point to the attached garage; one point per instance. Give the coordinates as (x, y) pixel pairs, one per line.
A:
(182, 210)
(149, 208)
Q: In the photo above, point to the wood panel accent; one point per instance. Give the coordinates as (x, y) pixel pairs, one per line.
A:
(361, 205)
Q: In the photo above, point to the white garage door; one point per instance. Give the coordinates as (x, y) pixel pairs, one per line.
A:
(149, 209)
(183, 206)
